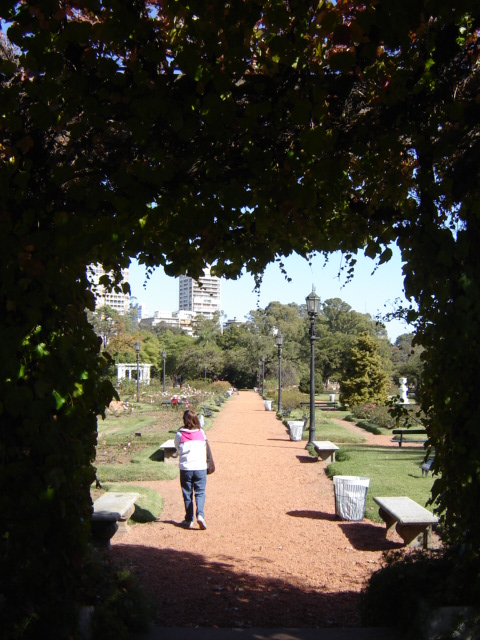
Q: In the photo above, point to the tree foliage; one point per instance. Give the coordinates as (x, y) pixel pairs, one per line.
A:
(230, 134)
(364, 376)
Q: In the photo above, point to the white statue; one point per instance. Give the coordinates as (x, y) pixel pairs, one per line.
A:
(403, 390)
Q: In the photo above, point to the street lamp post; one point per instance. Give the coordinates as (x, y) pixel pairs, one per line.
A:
(137, 349)
(313, 307)
(263, 375)
(279, 342)
(164, 355)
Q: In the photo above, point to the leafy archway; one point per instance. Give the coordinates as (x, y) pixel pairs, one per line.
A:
(230, 134)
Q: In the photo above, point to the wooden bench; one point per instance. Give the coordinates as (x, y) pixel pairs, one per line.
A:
(406, 432)
(169, 450)
(325, 405)
(412, 522)
(325, 449)
(111, 512)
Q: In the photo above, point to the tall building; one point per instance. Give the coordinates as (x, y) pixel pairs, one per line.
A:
(202, 296)
(120, 302)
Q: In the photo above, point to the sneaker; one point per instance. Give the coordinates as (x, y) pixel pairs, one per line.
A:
(201, 522)
(188, 524)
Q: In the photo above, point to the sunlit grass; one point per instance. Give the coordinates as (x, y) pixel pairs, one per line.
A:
(391, 471)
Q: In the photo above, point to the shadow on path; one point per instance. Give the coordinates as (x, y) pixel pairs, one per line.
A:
(220, 595)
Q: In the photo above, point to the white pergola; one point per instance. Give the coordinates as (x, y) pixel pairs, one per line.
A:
(124, 370)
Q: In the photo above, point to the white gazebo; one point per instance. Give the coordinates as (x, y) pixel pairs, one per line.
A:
(124, 370)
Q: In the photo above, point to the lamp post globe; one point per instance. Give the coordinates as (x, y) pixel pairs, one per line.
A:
(313, 307)
(279, 343)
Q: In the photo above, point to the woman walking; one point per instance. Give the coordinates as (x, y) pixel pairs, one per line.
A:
(190, 442)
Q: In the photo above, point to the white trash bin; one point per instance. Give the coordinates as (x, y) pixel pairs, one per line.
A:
(350, 496)
(296, 429)
(268, 405)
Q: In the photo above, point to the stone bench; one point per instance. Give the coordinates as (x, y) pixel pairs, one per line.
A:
(412, 522)
(111, 512)
(169, 450)
(325, 449)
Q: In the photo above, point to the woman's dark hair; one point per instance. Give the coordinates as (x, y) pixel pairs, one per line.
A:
(190, 420)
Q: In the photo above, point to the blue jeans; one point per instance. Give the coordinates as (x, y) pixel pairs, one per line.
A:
(193, 483)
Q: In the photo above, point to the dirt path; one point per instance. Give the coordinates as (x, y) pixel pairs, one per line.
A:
(274, 554)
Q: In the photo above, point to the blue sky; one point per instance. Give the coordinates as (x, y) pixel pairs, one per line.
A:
(369, 292)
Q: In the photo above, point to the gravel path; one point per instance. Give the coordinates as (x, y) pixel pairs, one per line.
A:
(274, 554)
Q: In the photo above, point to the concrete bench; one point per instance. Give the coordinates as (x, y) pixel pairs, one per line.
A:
(111, 512)
(412, 522)
(325, 449)
(169, 450)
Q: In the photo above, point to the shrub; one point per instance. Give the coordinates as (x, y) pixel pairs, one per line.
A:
(375, 414)
(404, 592)
(342, 456)
(123, 609)
(291, 399)
(368, 426)
(304, 385)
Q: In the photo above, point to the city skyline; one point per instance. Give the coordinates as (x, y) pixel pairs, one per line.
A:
(367, 292)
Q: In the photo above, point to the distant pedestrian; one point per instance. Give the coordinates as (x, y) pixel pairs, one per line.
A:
(190, 442)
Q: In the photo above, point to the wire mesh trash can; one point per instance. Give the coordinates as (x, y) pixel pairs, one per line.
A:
(350, 496)
(296, 429)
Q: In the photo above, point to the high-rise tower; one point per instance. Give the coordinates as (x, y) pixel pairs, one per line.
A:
(202, 296)
(120, 302)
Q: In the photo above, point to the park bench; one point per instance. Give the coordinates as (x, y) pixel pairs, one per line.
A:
(169, 403)
(111, 512)
(412, 522)
(325, 449)
(427, 466)
(169, 450)
(325, 405)
(407, 432)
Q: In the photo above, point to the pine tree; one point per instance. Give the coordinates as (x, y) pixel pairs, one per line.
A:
(365, 378)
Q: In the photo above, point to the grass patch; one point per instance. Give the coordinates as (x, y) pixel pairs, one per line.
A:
(144, 465)
(325, 429)
(392, 472)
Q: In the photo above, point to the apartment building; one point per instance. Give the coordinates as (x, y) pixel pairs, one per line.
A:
(203, 297)
(120, 302)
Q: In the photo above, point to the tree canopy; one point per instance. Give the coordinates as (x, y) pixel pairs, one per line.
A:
(231, 134)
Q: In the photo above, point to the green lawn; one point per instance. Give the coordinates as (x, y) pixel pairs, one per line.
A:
(325, 429)
(392, 472)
